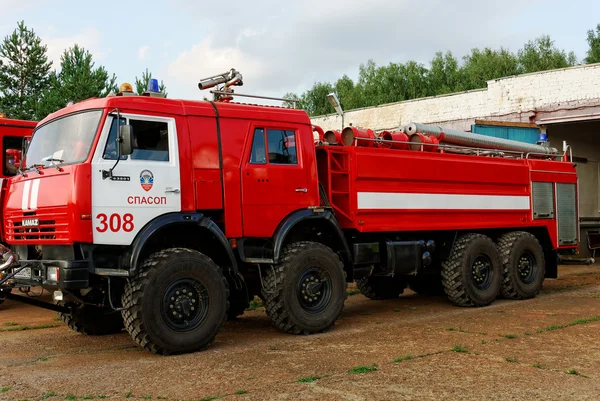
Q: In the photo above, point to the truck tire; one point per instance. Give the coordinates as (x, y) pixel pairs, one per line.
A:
(472, 275)
(380, 287)
(93, 321)
(427, 284)
(176, 303)
(523, 265)
(305, 292)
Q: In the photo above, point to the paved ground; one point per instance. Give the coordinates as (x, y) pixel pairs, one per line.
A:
(410, 348)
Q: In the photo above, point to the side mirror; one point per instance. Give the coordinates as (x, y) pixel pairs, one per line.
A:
(126, 140)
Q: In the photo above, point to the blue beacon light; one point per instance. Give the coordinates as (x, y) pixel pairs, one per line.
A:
(152, 85)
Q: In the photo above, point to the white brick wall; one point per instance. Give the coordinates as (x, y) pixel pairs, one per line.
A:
(513, 98)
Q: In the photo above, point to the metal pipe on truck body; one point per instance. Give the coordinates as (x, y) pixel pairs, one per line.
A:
(477, 140)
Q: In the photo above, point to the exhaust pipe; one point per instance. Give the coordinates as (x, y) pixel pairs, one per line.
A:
(467, 139)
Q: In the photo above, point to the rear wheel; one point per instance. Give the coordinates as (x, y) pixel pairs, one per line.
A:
(472, 275)
(93, 321)
(381, 287)
(305, 292)
(523, 265)
(176, 303)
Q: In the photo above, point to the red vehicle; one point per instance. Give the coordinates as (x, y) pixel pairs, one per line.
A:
(12, 135)
(167, 216)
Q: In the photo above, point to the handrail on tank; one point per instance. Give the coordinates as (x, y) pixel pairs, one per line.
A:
(477, 151)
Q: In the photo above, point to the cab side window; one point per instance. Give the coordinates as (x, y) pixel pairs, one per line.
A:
(258, 154)
(150, 141)
(282, 146)
(12, 155)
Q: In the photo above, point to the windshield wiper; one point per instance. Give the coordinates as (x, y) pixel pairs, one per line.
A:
(52, 159)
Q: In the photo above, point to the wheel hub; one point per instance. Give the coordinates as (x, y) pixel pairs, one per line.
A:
(314, 290)
(481, 272)
(185, 305)
(527, 267)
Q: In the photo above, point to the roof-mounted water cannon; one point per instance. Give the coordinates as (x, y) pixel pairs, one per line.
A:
(227, 79)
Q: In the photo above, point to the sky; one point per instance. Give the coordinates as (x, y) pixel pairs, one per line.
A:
(284, 46)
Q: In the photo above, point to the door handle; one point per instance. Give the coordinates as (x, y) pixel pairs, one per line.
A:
(301, 190)
(172, 190)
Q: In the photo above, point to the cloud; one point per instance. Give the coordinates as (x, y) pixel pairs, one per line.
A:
(281, 47)
(89, 39)
(204, 59)
(143, 52)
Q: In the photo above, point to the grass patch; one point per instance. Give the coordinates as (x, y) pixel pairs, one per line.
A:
(511, 360)
(71, 397)
(128, 394)
(102, 396)
(459, 330)
(353, 291)
(241, 392)
(8, 324)
(23, 328)
(87, 397)
(255, 304)
(251, 378)
(575, 373)
(510, 336)
(538, 365)
(483, 342)
(573, 323)
(362, 369)
(211, 398)
(147, 397)
(527, 333)
(49, 394)
(308, 379)
(5, 389)
(458, 348)
(405, 358)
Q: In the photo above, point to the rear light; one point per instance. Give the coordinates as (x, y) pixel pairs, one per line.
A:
(53, 274)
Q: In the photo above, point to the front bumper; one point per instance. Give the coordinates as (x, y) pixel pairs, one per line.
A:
(73, 274)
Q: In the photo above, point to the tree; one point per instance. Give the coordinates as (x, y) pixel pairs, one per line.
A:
(77, 80)
(540, 54)
(24, 73)
(444, 76)
(483, 65)
(142, 84)
(593, 39)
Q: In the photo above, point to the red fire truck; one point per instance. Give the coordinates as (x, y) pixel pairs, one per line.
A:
(167, 216)
(12, 134)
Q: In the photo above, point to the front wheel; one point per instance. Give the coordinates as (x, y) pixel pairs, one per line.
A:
(176, 303)
(305, 293)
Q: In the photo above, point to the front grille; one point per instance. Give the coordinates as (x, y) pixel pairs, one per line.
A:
(53, 227)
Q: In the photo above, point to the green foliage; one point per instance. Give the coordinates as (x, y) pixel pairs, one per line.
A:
(406, 357)
(24, 73)
(77, 80)
(458, 348)
(593, 39)
(362, 369)
(541, 55)
(141, 84)
(309, 379)
(404, 81)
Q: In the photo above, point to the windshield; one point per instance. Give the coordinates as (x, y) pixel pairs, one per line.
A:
(63, 141)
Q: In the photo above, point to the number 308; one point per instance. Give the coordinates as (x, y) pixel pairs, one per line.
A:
(115, 222)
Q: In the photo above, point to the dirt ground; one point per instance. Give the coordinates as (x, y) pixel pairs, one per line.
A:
(411, 348)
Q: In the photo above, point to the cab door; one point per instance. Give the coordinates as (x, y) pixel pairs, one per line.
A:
(274, 182)
(145, 184)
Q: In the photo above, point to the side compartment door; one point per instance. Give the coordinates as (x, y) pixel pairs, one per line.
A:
(274, 182)
(146, 184)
